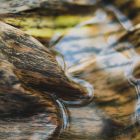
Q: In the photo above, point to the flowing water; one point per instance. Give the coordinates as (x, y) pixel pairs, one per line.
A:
(92, 55)
(99, 53)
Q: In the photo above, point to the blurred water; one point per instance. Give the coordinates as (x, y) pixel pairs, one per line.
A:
(92, 56)
(98, 50)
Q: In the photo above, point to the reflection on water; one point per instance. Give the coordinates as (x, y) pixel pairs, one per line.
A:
(99, 100)
(126, 23)
(132, 69)
(105, 66)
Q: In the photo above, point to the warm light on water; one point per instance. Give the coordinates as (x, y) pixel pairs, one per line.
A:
(105, 65)
(70, 70)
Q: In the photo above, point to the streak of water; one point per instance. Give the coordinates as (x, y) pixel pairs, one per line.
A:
(63, 111)
(126, 23)
(65, 116)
